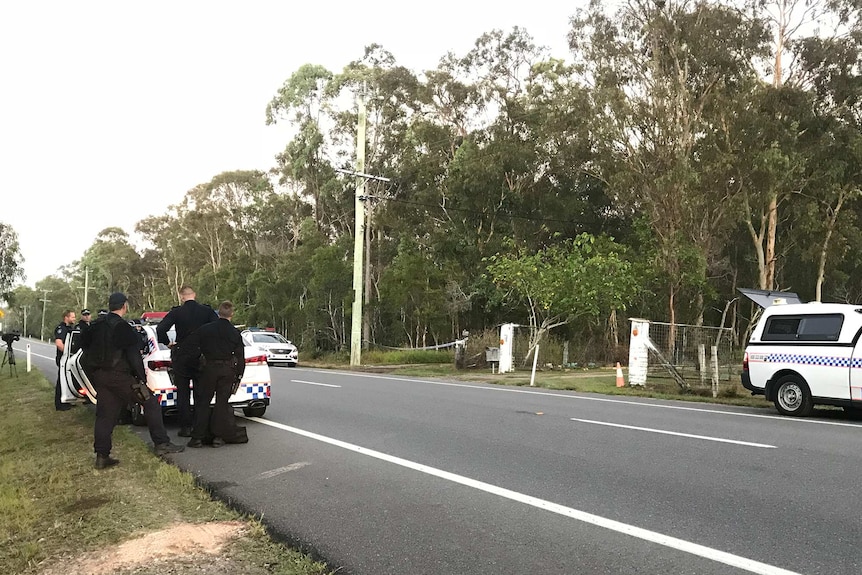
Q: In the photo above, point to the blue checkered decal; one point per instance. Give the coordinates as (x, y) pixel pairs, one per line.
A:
(257, 391)
(168, 397)
(827, 361)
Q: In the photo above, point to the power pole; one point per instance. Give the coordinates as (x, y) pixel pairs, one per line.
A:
(44, 301)
(358, 238)
(25, 308)
(86, 287)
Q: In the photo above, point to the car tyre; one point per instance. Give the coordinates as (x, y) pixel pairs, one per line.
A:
(138, 415)
(254, 411)
(291, 364)
(792, 396)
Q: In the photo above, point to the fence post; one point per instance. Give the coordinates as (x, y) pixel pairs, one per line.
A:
(535, 358)
(701, 363)
(565, 353)
(714, 371)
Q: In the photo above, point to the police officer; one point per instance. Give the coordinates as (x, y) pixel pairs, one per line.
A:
(85, 320)
(223, 359)
(186, 318)
(60, 333)
(115, 379)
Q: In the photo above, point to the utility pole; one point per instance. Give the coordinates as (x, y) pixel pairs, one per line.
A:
(44, 301)
(358, 238)
(25, 308)
(86, 287)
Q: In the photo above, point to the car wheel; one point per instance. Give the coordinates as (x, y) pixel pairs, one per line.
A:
(254, 411)
(792, 396)
(138, 415)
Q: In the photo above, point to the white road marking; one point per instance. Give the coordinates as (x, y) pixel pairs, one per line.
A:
(314, 383)
(665, 540)
(607, 400)
(24, 351)
(705, 437)
(273, 472)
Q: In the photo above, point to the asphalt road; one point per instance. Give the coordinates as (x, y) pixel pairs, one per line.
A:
(386, 475)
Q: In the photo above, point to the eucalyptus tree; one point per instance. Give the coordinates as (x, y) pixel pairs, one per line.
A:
(11, 261)
(660, 74)
(305, 100)
(114, 266)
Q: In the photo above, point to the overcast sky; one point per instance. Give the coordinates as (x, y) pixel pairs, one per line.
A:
(110, 111)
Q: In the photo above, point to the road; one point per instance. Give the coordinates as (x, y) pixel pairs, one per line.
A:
(378, 474)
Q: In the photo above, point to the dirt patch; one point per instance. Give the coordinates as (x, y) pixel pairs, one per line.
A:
(181, 542)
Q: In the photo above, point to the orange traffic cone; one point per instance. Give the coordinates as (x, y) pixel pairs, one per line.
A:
(621, 382)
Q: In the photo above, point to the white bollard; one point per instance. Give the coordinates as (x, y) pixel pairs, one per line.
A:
(29, 364)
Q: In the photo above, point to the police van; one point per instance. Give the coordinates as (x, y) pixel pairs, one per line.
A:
(805, 354)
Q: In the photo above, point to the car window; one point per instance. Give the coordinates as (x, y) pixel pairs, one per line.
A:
(268, 338)
(821, 327)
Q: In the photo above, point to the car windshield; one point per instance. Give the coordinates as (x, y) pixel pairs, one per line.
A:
(268, 338)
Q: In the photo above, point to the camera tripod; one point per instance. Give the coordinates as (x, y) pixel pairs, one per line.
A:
(9, 357)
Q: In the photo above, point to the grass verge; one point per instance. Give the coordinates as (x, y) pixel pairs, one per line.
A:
(55, 507)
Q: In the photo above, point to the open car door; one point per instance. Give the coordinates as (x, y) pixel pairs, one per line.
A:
(75, 386)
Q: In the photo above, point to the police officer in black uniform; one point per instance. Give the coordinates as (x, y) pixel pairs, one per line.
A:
(85, 320)
(60, 333)
(115, 379)
(223, 359)
(186, 318)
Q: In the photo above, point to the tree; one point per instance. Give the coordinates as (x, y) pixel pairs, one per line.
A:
(11, 261)
(582, 277)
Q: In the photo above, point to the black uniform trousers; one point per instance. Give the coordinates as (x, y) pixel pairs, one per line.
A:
(113, 393)
(217, 378)
(184, 367)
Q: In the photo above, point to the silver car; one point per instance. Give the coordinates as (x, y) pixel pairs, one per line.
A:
(277, 348)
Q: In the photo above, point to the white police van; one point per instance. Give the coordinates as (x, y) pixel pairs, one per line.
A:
(804, 354)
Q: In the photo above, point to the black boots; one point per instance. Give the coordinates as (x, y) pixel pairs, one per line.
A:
(105, 461)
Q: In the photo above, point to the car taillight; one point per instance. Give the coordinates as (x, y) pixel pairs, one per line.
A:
(158, 364)
(256, 359)
(745, 362)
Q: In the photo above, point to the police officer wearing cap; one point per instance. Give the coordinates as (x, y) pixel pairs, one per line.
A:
(85, 320)
(60, 332)
(115, 379)
(223, 359)
(185, 318)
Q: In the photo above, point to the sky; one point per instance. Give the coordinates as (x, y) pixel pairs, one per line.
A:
(111, 111)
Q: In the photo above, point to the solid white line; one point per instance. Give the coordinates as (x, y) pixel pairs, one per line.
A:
(314, 383)
(705, 437)
(24, 351)
(606, 400)
(617, 526)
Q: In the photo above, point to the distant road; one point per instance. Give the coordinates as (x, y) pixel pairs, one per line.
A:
(388, 475)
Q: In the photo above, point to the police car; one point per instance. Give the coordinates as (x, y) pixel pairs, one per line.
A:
(804, 354)
(277, 348)
(253, 395)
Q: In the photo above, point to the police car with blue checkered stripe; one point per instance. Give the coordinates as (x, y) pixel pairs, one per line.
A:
(804, 354)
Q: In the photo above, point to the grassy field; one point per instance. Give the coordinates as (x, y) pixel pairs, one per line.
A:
(59, 515)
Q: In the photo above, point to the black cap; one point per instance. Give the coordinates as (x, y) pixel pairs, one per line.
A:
(85, 311)
(117, 300)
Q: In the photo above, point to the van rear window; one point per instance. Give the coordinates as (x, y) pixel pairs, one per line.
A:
(820, 327)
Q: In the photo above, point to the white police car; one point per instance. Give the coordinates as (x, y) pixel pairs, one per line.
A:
(253, 395)
(803, 354)
(277, 348)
